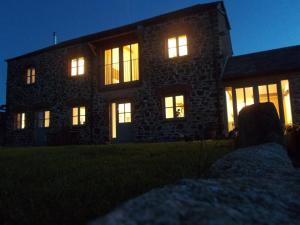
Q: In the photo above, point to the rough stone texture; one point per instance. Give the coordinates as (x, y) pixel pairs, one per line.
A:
(2, 126)
(258, 124)
(239, 192)
(196, 76)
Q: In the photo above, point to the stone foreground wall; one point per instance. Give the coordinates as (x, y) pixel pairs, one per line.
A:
(254, 185)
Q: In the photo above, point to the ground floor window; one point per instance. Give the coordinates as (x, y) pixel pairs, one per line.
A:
(124, 112)
(174, 107)
(20, 121)
(43, 119)
(239, 97)
(78, 116)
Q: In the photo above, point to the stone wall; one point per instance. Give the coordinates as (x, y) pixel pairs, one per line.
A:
(196, 76)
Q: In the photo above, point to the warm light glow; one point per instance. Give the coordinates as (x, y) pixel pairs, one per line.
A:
(78, 116)
(77, 66)
(113, 120)
(43, 119)
(286, 102)
(174, 110)
(230, 113)
(47, 118)
(124, 111)
(169, 107)
(244, 97)
(177, 46)
(30, 78)
(112, 66)
(179, 106)
(20, 121)
(268, 93)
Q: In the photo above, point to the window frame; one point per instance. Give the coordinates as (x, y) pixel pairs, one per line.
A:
(77, 66)
(31, 76)
(20, 123)
(177, 36)
(43, 119)
(78, 116)
(121, 82)
(174, 107)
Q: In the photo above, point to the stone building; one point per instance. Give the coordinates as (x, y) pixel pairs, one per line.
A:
(161, 79)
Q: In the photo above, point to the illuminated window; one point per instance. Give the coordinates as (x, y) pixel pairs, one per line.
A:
(20, 121)
(112, 66)
(177, 46)
(113, 120)
(30, 77)
(131, 62)
(268, 93)
(77, 67)
(230, 113)
(130, 68)
(78, 116)
(174, 107)
(43, 119)
(124, 111)
(286, 102)
(244, 97)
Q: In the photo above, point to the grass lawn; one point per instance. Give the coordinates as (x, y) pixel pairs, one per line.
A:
(75, 184)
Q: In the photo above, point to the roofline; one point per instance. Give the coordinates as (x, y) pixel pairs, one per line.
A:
(125, 28)
(266, 51)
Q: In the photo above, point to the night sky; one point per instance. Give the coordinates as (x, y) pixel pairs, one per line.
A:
(28, 25)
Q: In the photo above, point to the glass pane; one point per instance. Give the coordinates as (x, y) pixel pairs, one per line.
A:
(82, 111)
(182, 40)
(135, 69)
(75, 120)
(286, 102)
(82, 120)
(108, 69)
(121, 108)
(169, 113)
(128, 107)
(74, 63)
(263, 93)
(172, 52)
(135, 51)
(172, 43)
(74, 71)
(168, 101)
(47, 114)
(113, 120)
(127, 117)
(249, 96)
(47, 122)
(126, 63)
(183, 51)
(240, 101)
(229, 104)
(28, 80)
(115, 58)
(273, 96)
(28, 72)
(81, 66)
(179, 101)
(179, 112)
(121, 118)
(33, 71)
(107, 57)
(33, 79)
(75, 112)
(115, 73)
(23, 121)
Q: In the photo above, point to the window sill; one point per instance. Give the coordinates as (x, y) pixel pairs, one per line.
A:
(123, 85)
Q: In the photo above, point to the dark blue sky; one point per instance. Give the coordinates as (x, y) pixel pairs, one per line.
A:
(28, 25)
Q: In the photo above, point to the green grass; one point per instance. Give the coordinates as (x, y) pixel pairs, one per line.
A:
(75, 184)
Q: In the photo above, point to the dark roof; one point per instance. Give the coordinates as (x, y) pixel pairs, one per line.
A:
(130, 27)
(272, 62)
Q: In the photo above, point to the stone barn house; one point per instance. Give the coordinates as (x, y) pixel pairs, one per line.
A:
(167, 78)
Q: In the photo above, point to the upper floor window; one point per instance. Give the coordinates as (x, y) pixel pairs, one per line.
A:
(174, 107)
(30, 77)
(77, 66)
(122, 64)
(43, 119)
(177, 46)
(78, 116)
(20, 121)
